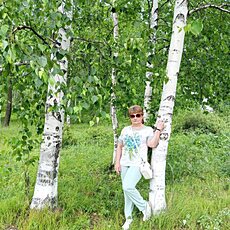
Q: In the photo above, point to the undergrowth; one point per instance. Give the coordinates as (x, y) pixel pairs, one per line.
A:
(90, 194)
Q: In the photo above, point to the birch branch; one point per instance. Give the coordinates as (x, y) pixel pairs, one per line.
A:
(24, 27)
(220, 7)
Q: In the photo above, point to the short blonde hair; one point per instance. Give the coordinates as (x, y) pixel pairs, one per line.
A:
(135, 109)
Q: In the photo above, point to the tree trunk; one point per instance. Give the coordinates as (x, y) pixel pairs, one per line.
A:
(45, 192)
(148, 88)
(6, 122)
(113, 95)
(158, 161)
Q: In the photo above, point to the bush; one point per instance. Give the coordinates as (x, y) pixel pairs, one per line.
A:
(198, 121)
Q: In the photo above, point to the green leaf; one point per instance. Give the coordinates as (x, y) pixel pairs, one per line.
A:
(91, 123)
(42, 61)
(196, 27)
(3, 44)
(59, 56)
(38, 82)
(85, 105)
(11, 56)
(42, 47)
(94, 98)
(52, 81)
(41, 72)
(187, 28)
(3, 30)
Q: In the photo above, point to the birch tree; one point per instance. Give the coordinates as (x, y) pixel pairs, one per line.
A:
(45, 192)
(113, 95)
(158, 160)
(148, 88)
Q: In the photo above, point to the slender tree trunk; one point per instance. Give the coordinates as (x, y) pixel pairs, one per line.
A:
(158, 161)
(68, 116)
(6, 122)
(113, 95)
(45, 192)
(148, 88)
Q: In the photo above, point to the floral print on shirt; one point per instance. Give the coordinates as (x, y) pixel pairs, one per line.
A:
(131, 146)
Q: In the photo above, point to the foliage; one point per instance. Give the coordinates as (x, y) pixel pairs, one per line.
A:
(26, 55)
(203, 76)
(90, 194)
(198, 121)
(205, 143)
(28, 36)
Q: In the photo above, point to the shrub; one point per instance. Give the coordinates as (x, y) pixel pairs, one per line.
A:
(198, 121)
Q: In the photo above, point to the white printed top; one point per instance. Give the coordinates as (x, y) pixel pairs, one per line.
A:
(134, 143)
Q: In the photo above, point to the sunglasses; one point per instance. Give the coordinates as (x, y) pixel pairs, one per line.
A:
(135, 115)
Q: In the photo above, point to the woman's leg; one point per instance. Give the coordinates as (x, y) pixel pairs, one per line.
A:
(128, 207)
(130, 177)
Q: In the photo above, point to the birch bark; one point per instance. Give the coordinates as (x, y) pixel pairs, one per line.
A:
(113, 95)
(158, 161)
(45, 192)
(148, 88)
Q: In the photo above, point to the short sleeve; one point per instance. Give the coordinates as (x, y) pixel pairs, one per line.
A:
(150, 133)
(121, 137)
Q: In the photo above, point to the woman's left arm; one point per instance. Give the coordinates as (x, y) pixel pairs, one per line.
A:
(155, 140)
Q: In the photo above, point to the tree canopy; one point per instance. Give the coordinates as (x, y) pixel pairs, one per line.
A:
(28, 34)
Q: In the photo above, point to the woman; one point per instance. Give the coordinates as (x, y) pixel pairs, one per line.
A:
(132, 147)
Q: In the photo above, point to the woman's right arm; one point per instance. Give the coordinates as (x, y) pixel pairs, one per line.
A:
(118, 157)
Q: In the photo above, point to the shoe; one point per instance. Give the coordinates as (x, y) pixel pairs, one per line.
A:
(147, 212)
(127, 223)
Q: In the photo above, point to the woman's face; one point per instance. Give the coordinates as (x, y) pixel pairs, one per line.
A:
(136, 118)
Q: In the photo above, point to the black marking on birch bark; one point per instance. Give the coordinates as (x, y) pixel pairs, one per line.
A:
(53, 202)
(180, 17)
(44, 180)
(166, 106)
(164, 136)
(170, 98)
(57, 116)
(55, 102)
(63, 61)
(56, 155)
(47, 107)
(36, 202)
(47, 201)
(57, 43)
(184, 2)
(57, 128)
(159, 188)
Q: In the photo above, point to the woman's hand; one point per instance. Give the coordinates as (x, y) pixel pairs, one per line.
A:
(160, 125)
(118, 157)
(118, 167)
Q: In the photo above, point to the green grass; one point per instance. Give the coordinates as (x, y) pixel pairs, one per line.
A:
(89, 192)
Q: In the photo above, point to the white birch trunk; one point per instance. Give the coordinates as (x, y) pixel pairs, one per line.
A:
(45, 192)
(148, 88)
(113, 95)
(158, 161)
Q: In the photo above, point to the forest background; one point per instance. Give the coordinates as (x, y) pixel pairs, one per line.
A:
(89, 194)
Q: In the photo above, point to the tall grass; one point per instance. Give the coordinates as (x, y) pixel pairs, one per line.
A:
(90, 194)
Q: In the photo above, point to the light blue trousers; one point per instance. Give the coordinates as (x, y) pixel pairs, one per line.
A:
(130, 176)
